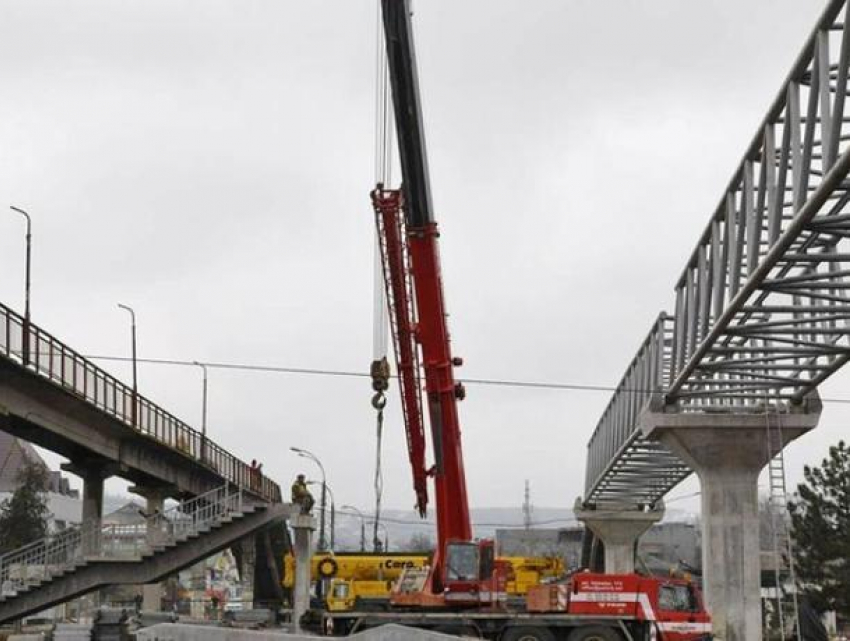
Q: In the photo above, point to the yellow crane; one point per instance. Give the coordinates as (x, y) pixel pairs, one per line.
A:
(368, 578)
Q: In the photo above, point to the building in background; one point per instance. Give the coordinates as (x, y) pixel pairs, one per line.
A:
(562, 543)
(665, 547)
(64, 503)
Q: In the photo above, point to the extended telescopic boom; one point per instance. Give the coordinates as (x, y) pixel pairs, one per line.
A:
(415, 292)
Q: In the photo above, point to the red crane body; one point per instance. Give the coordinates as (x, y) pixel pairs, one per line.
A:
(463, 572)
(412, 274)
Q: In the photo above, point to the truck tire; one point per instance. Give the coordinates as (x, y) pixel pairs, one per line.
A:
(327, 568)
(595, 633)
(527, 633)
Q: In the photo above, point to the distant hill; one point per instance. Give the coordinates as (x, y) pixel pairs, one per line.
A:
(402, 526)
(405, 526)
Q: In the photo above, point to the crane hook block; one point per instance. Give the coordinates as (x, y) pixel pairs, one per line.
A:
(380, 372)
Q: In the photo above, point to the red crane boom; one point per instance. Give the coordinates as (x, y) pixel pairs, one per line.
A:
(463, 572)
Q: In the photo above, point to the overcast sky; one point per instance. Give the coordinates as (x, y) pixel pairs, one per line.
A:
(209, 163)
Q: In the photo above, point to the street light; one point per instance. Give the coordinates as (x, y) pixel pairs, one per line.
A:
(26, 346)
(362, 525)
(203, 413)
(323, 543)
(333, 513)
(135, 370)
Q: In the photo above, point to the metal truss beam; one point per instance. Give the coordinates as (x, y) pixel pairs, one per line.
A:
(762, 311)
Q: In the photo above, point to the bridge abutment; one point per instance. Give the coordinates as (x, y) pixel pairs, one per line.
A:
(728, 452)
(618, 527)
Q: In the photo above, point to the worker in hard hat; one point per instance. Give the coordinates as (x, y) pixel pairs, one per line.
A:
(301, 495)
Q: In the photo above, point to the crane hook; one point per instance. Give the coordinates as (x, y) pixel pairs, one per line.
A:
(379, 401)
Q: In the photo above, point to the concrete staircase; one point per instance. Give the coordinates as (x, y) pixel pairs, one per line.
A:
(71, 563)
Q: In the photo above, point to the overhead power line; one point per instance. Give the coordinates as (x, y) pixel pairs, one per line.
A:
(313, 371)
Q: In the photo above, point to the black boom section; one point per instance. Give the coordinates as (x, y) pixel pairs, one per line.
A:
(401, 57)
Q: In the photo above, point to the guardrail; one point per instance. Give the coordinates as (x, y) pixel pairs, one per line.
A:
(622, 466)
(44, 559)
(41, 352)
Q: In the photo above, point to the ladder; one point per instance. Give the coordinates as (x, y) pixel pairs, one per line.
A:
(785, 624)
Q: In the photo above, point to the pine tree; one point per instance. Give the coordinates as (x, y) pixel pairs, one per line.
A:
(23, 517)
(820, 518)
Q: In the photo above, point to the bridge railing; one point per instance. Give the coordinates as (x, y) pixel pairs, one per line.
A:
(50, 357)
(623, 467)
(58, 553)
(762, 306)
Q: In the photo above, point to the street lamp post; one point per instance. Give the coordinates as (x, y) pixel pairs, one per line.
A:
(333, 512)
(135, 364)
(362, 525)
(323, 543)
(25, 351)
(203, 414)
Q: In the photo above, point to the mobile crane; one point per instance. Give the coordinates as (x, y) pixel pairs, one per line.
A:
(463, 590)
(462, 571)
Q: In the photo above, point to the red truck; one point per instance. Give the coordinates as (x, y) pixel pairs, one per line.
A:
(587, 607)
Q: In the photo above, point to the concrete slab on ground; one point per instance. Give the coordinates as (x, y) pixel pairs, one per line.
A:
(183, 632)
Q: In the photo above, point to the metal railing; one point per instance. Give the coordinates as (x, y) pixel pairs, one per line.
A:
(762, 307)
(77, 375)
(44, 559)
(622, 465)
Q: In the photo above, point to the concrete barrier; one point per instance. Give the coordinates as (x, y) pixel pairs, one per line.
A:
(183, 632)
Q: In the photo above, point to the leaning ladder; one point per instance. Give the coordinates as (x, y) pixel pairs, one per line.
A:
(787, 606)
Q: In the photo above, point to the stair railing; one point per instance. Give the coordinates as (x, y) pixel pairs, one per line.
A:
(41, 560)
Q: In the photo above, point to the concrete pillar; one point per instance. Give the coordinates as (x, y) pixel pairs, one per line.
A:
(728, 451)
(155, 530)
(247, 569)
(618, 527)
(152, 597)
(303, 527)
(93, 479)
(93, 472)
(155, 534)
(198, 573)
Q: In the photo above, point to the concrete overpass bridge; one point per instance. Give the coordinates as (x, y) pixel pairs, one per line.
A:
(760, 319)
(52, 396)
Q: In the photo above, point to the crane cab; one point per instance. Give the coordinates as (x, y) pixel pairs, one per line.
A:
(472, 575)
(467, 574)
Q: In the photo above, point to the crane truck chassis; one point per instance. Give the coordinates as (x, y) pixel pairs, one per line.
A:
(589, 607)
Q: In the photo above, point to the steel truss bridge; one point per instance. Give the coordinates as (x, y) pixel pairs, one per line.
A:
(762, 306)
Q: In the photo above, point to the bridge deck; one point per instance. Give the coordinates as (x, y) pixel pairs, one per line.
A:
(65, 402)
(762, 311)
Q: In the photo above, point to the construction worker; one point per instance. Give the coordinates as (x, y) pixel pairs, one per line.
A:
(301, 495)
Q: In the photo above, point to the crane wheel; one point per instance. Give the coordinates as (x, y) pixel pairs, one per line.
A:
(527, 633)
(327, 568)
(595, 633)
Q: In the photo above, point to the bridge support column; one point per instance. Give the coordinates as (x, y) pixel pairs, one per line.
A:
(247, 569)
(155, 496)
(93, 473)
(303, 527)
(155, 534)
(618, 527)
(728, 452)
